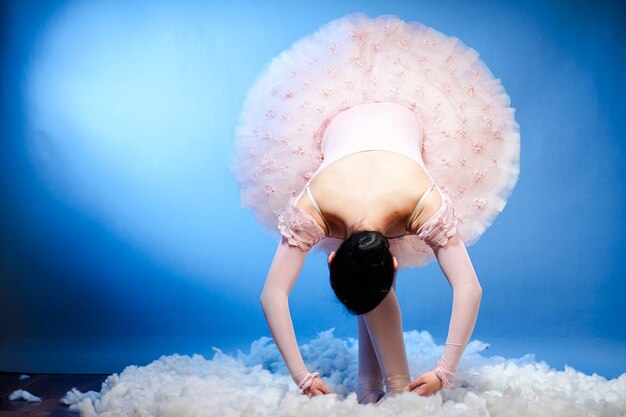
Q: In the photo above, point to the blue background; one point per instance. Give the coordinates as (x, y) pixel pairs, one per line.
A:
(121, 234)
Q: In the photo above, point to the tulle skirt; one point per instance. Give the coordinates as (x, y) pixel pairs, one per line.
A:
(471, 141)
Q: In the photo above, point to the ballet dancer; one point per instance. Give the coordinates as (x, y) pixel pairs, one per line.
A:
(386, 144)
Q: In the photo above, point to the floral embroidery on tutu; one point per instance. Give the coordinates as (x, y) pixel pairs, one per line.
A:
(471, 140)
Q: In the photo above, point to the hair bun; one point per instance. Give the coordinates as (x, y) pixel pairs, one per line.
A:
(372, 247)
(362, 271)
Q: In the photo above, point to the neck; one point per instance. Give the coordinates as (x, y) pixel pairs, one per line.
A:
(366, 224)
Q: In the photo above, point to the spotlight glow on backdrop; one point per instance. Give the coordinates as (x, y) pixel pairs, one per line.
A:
(126, 124)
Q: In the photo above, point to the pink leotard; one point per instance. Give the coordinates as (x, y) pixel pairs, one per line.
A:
(360, 129)
(373, 126)
(383, 126)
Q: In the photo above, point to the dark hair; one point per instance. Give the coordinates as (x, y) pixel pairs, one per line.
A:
(361, 273)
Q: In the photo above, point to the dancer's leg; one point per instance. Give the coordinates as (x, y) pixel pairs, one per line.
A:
(384, 325)
(370, 380)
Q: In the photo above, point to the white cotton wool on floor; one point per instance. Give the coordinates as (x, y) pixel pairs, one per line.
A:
(257, 384)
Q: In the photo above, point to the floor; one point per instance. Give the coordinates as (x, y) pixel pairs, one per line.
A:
(49, 387)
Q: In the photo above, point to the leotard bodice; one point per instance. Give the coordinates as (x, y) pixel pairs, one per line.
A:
(372, 126)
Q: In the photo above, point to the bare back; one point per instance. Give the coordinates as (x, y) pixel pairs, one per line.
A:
(371, 190)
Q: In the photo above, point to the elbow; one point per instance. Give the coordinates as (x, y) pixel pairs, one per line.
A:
(263, 299)
(269, 297)
(478, 293)
(472, 292)
(470, 289)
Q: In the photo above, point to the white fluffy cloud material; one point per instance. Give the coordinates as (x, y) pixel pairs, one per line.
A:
(257, 384)
(21, 394)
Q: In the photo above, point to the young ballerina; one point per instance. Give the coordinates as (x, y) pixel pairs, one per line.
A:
(388, 145)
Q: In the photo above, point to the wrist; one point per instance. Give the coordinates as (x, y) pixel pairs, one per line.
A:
(444, 375)
(307, 381)
(298, 372)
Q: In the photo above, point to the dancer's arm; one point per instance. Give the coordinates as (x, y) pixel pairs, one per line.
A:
(281, 277)
(467, 293)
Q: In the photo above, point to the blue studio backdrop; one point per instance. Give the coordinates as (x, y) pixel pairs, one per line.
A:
(121, 233)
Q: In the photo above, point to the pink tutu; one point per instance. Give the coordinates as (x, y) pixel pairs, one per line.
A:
(471, 139)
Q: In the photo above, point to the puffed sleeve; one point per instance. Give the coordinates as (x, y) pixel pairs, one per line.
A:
(441, 226)
(299, 230)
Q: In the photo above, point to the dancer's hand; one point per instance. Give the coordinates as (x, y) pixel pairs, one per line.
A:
(427, 384)
(317, 387)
